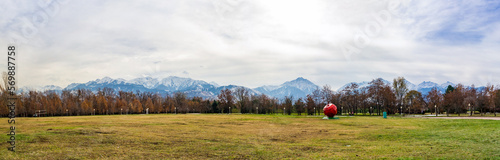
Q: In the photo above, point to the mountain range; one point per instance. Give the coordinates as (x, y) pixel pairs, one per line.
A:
(299, 87)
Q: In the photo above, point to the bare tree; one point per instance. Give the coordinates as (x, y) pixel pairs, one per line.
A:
(490, 98)
(364, 100)
(351, 97)
(316, 95)
(470, 98)
(242, 99)
(458, 99)
(310, 104)
(287, 105)
(265, 103)
(415, 101)
(375, 93)
(226, 100)
(497, 101)
(434, 100)
(180, 102)
(389, 100)
(326, 94)
(400, 89)
(299, 106)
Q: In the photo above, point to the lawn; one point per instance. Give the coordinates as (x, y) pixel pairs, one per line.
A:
(221, 136)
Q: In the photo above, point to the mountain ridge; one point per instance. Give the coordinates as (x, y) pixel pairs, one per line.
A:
(299, 87)
(296, 88)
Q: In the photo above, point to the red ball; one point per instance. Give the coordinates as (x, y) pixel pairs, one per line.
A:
(330, 110)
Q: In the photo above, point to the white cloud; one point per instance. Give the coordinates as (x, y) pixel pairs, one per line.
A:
(256, 43)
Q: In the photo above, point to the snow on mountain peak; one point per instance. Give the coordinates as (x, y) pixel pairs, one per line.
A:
(147, 82)
(302, 84)
(177, 81)
(26, 89)
(298, 81)
(105, 80)
(214, 84)
(445, 85)
(410, 85)
(428, 84)
(270, 87)
(298, 87)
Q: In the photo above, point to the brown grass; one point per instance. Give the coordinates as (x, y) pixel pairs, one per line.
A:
(216, 136)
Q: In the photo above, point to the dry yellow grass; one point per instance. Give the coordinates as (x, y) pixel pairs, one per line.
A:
(218, 136)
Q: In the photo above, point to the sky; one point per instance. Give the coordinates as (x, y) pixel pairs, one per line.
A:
(255, 42)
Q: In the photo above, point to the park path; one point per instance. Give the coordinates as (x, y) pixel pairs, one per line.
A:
(490, 118)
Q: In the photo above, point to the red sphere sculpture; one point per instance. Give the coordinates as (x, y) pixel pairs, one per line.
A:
(330, 110)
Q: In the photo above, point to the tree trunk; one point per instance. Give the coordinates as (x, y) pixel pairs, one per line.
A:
(378, 111)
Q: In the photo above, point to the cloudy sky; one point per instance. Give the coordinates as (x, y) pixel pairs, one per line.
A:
(254, 42)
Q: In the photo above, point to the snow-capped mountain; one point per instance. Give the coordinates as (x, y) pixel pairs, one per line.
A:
(40, 88)
(363, 84)
(107, 82)
(147, 82)
(301, 84)
(445, 85)
(410, 85)
(426, 87)
(214, 84)
(297, 88)
(428, 84)
(266, 88)
(164, 86)
(173, 83)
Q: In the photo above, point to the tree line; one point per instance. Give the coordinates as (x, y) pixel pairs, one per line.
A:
(373, 99)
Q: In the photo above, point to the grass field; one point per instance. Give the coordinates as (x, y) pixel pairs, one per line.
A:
(215, 136)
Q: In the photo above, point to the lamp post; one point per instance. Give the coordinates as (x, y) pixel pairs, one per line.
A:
(370, 111)
(94, 111)
(401, 109)
(314, 110)
(341, 110)
(283, 110)
(175, 110)
(121, 110)
(257, 110)
(67, 113)
(470, 109)
(435, 107)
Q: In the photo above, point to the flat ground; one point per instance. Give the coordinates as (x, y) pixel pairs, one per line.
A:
(490, 118)
(216, 136)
